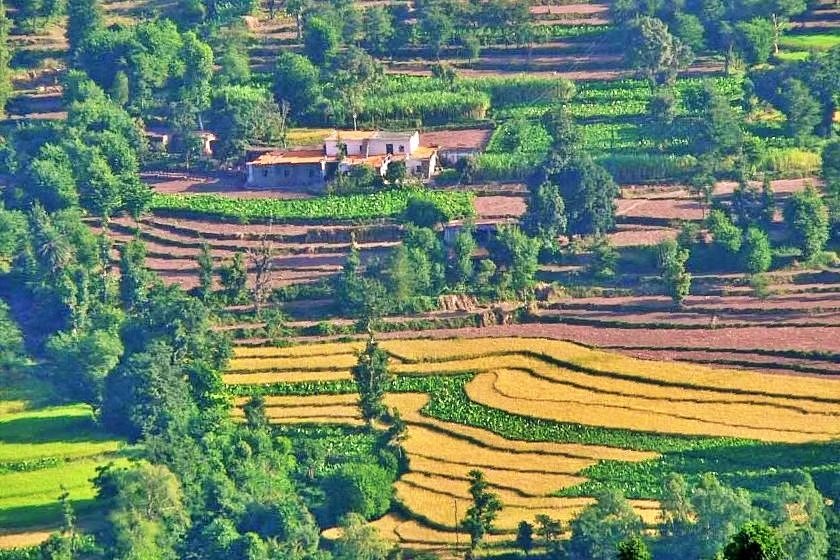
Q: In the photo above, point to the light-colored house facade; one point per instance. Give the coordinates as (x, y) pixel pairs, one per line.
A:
(342, 151)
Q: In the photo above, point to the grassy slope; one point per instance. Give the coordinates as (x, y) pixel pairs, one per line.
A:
(45, 450)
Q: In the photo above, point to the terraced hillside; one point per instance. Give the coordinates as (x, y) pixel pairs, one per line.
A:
(548, 422)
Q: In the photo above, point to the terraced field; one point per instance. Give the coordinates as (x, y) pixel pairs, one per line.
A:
(547, 421)
(45, 450)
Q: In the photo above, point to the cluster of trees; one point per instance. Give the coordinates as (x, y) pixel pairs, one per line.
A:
(705, 519)
(569, 194)
(431, 24)
(750, 29)
(424, 266)
(805, 91)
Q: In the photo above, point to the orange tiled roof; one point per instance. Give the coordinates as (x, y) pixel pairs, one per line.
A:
(368, 134)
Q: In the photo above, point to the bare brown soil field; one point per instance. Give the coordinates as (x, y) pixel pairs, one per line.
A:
(25, 539)
(633, 235)
(221, 183)
(497, 206)
(804, 339)
(797, 301)
(574, 9)
(680, 209)
(679, 318)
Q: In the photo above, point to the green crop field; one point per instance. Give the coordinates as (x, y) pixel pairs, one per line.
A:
(382, 204)
(46, 450)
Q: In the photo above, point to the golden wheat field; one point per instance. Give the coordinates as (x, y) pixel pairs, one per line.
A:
(542, 379)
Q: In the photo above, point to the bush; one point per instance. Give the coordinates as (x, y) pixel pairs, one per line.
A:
(423, 213)
(358, 488)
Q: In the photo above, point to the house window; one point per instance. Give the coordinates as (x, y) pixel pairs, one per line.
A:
(311, 173)
(419, 169)
(389, 148)
(402, 149)
(286, 172)
(265, 172)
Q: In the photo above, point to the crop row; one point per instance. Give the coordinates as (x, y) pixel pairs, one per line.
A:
(383, 204)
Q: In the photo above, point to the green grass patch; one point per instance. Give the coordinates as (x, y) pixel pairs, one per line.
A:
(29, 499)
(63, 432)
(810, 41)
(383, 204)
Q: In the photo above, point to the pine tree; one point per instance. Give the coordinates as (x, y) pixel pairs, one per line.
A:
(205, 272)
(486, 505)
(371, 376)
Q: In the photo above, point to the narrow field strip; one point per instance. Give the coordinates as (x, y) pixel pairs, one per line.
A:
(409, 531)
(270, 377)
(317, 349)
(25, 539)
(528, 483)
(315, 362)
(460, 488)
(483, 391)
(311, 400)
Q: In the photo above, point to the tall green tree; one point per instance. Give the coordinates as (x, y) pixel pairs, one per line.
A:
(755, 541)
(599, 528)
(515, 256)
(5, 59)
(545, 214)
(756, 252)
(296, 81)
(321, 38)
(755, 38)
(800, 107)
(654, 52)
(146, 395)
(719, 125)
(135, 278)
(378, 31)
(525, 537)
(371, 377)
(831, 176)
(234, 279)
(461, 266)
(588, 192)
(85, 18)
(634, 548)
(146, 514)
(806, 217)
(205, 272)
(485, 507)
(676, 279)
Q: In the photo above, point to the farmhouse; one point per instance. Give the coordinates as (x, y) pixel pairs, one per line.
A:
(342, 150)
(457, 144)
